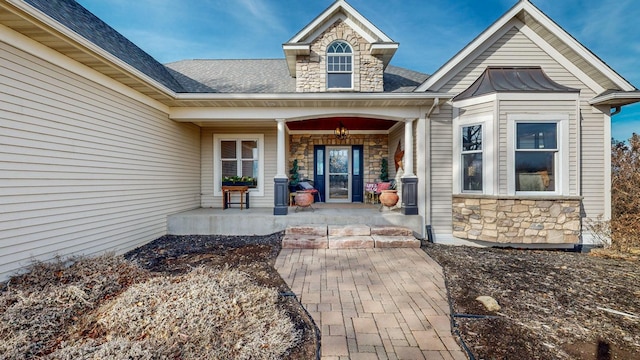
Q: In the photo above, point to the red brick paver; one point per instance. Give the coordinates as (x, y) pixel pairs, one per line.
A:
(373, 303)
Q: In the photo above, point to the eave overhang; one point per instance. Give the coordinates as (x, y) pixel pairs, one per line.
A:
(292, 51)
(616, 98)
(26, 19)
(297, 100)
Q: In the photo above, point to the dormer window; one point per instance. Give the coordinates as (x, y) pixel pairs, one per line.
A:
(339, 65)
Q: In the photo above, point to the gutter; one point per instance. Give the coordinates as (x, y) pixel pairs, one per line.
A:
(311, 96)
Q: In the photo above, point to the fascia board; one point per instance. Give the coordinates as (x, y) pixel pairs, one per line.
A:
(312, 96)
(37, 49)
(297, 49)
(444, 72)
(328, 17)
(89, 46)
(545, 96)
(384, 48)
(576, 46)
(517, 96)
(475, 101)
(631, 97)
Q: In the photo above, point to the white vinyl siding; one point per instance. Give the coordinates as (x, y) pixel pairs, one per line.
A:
(84, 169)
(513, 49)
(441, 170)
(269, 129)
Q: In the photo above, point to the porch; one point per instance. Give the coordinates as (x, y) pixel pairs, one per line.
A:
(262, 221)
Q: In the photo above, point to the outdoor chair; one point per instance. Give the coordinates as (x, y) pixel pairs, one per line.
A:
(370, 190)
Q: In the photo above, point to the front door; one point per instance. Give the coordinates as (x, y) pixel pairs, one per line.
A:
(338, 186)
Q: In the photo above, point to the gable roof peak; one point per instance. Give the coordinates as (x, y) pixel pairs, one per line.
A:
(300, 44)
(526, 13)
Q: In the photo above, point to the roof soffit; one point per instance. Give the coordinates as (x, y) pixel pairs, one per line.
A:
(300, 44)
(526, 14)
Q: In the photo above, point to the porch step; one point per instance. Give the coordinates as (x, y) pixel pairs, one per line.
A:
(382, 241)
(351, 242)
(312, 230)
(295, 241)
(348, 237)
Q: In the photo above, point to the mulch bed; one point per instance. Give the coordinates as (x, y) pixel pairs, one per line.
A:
(554, 304)
(254, 255)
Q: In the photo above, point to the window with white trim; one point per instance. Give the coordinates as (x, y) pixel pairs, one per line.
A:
(239, 159)
(536, 156)
(471, 158)
(339, 65)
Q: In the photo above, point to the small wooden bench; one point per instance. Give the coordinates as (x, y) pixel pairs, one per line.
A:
(243, 191)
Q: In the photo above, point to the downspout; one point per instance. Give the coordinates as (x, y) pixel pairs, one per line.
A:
(429, 231)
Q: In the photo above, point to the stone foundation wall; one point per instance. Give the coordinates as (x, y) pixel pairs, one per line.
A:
(375, 147)
(517, 220)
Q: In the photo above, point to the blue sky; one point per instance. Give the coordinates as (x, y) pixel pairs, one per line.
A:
(429, 32)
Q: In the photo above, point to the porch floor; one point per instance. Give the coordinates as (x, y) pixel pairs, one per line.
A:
(261, 221)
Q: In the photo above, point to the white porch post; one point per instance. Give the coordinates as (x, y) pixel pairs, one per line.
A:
(408, 148)
(281, 152)
(409, 179)
(281, 180)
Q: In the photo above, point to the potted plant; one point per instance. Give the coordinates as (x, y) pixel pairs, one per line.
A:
(384, 170)
(389, 194)
(294, 177)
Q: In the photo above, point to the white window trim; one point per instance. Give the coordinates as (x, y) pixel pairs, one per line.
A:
(352, 55)
(562, 156)
(488, 162)
(217, 166)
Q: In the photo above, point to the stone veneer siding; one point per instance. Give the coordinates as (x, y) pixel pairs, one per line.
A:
(521, 220)
(311, 71)
(375, 147)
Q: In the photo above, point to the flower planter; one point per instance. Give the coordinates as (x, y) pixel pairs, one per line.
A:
(239, 183)
(389, 198)
(304, 198)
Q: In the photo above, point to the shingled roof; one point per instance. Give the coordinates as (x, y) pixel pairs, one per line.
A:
(198, 76)
(264, 76)
(80, 20)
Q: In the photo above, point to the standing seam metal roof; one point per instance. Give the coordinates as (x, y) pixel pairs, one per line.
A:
(512, 79)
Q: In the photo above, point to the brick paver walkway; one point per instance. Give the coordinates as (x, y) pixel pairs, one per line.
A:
(373, 303)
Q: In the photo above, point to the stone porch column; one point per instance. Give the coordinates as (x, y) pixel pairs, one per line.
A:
(281, 180)
(409, 179)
